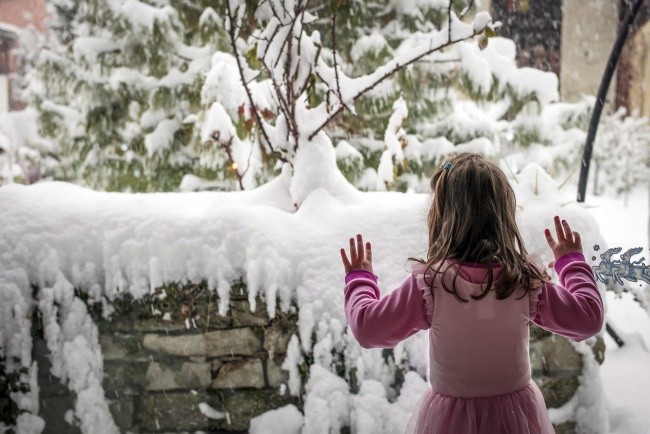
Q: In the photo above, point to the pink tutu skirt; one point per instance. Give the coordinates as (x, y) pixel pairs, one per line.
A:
(520, 412)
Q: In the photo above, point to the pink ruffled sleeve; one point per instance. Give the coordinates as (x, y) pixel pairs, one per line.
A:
(574, 308)
(382, 322)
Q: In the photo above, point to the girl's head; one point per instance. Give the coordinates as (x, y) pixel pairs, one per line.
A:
(472, 219)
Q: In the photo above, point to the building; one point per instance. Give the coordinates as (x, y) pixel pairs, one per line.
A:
(15, 15)
(574, 39)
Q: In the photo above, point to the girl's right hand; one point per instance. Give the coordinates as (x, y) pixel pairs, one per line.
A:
(567, 241)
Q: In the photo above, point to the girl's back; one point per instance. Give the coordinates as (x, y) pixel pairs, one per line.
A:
(479, 362)
(478, 348)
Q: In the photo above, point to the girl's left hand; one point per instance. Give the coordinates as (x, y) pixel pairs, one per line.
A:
(360, 258)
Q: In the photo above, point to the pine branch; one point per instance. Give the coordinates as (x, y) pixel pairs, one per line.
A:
(393, 70)
(336, 68)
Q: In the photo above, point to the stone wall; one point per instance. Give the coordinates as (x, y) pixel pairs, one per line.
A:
(556, 366)
(158, 371)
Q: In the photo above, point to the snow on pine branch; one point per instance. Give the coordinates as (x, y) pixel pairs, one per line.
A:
(353, 88)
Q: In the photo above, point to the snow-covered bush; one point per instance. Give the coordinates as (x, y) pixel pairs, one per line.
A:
(114, 83)
(621, 153)
(25, 156)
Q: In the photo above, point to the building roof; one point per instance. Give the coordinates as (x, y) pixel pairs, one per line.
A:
(8, 31)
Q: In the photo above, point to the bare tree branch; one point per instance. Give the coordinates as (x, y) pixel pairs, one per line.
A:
(384, 76)
(227, 146)
(467, 8)
(233, 43)
(449, 21)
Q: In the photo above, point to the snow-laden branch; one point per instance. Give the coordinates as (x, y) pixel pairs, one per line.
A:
(233, 42)
(354, 88)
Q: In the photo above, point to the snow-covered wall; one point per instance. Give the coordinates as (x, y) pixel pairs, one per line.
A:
(63, 247)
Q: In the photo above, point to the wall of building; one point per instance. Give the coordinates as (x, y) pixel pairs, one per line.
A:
(639, 69)
(589, 30)
(22, 13)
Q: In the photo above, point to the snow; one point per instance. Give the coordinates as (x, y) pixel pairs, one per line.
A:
(283, 237)
(140, 14)
(497, 61)
(217, 123)
(211, 412)
(372, 43)
(21, 148)
(344, 150)
(162, 137)
(287, 419)
(625, 373)
(89, 48)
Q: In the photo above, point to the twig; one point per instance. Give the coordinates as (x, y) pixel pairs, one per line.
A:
(248, 163)
(227, 147)
(568, 177)
(467, 8)
(510, 170)
(258, 119)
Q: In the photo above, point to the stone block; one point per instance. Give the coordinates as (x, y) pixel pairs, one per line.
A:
(158, 325)
(175, 412)
(116, 323)
(111, 346)
(560, 358)
(240, 341)
(160, 377)
(124, 377)
(278, 334)
(243, 405)
(196, 374)
(275, 375)
(557, 391)
(243, 373)
(598, 349)
(211, 313)
(114, 376)
(243, 316)
(174, 374)
(122, 411)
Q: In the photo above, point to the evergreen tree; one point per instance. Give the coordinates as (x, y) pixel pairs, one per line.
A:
(114, 86)
(130, 91)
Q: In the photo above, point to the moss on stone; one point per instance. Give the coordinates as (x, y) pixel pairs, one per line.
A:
(565, 428)
(537, 333)
(172, 412)
(243, 405)
(557, 391)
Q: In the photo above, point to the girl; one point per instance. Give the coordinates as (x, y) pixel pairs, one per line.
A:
(476, 293)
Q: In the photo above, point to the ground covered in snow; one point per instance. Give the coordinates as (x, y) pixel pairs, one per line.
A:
(626, 370)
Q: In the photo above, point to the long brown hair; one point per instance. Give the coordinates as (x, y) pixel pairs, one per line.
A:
(472, 219)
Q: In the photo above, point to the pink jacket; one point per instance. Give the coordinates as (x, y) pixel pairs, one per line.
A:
(573, 309)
